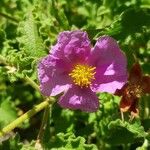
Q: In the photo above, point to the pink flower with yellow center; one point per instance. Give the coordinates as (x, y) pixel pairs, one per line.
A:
(79, 71)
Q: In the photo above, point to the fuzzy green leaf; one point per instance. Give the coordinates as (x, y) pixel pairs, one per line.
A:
(29, 40)
(134, 128)
(69, 141)
(125, 132)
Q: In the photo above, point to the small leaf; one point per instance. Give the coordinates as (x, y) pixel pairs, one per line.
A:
(29, 40)
(69, 141)
(124, 132)
(60, 16)
(134, 128)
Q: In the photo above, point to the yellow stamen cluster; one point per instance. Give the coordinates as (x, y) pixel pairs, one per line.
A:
(82, 75)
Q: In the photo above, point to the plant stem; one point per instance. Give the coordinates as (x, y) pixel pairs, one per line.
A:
(25, 116)
(146, 110)
(43, 124)
(31, 112)
(8, 17)
(122, 115)
(32, 83)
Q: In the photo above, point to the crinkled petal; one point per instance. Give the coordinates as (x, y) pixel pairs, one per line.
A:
(122, 91)
(146, 84)
(135, 75)
(129, 104)
(125, 104)
(111, 65)
(72, 45)
(133, 109)
(108, 83)
(77, 98)
(53, 76)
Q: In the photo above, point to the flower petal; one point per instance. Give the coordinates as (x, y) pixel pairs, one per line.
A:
(53, 76)
(125, 104)
(146, 84)
(108, 83)
(133, 109)
(79, 98)
(72, 45)
(135, 74)
(110, 62)
(122, 91)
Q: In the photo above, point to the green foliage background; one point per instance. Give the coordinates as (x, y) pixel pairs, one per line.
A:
(27, 30)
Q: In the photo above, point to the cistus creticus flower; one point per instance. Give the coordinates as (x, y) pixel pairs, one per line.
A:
(78, 70)
(137, 85)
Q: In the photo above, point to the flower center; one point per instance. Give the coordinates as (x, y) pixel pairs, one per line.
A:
(83, 75)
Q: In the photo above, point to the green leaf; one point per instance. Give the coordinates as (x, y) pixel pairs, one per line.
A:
(13, 143)
(28, 146)
(69, 141)
(125, 132)
(29, 40)
(7, 112)
(134, 19)
(131, 21)
(134, 127)
(145, 145)
(60, 16)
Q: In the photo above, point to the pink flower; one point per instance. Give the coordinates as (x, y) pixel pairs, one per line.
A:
(78, 70)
